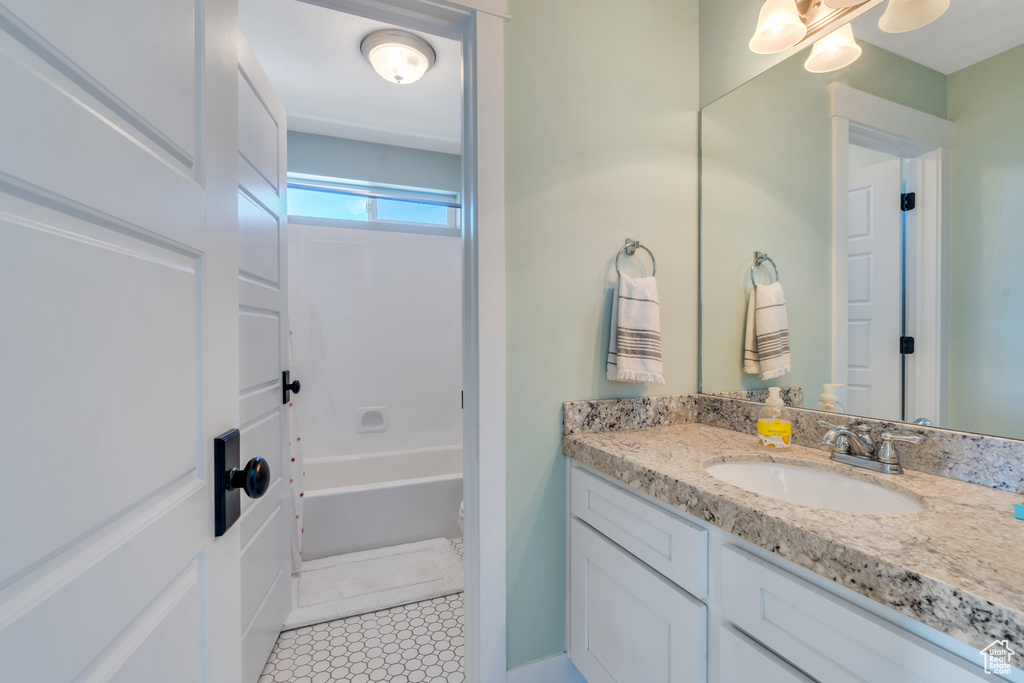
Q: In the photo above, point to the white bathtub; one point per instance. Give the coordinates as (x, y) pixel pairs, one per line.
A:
(375, 501)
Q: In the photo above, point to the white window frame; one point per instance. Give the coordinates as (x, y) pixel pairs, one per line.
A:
(374, 192)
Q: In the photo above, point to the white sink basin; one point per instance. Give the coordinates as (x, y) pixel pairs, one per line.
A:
(814, 488)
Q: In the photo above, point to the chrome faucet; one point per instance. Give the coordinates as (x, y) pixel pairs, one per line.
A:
(856, 447)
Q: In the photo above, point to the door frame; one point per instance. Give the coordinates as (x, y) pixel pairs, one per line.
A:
(876, 123)
(479, 25)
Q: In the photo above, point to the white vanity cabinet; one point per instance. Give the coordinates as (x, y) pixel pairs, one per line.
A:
(647, 585)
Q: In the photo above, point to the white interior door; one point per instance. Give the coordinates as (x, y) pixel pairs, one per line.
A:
(874, 291)
(117, 261)
(263, 338)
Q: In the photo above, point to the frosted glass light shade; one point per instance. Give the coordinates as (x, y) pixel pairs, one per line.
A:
(398, 56)
(834, 51)
(778, 27)
(906, 15)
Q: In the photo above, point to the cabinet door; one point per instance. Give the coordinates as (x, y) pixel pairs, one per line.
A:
(627, 623)
(741, 659)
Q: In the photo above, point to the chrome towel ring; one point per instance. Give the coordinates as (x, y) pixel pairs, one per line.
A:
(759, 258)
(630, 248)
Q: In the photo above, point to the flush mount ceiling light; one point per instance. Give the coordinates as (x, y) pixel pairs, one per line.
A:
(398, 56)
(906, 15)
(778, 27)
(834, 51)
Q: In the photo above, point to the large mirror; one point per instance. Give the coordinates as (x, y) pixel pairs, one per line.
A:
(889, 197)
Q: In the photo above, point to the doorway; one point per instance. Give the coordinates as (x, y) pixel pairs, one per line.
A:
(891, 222)
(483, 305)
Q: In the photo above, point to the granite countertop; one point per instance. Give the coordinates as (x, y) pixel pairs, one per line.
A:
(958, 566)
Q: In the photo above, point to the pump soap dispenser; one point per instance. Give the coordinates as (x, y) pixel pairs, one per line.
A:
(829, 402)
(774, 422)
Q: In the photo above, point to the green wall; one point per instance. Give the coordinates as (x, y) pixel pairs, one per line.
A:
(601, 144)
(726, 61)
(986, 102)
(779, 200)
(373, 163)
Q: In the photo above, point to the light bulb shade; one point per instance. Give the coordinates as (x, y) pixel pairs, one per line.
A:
(398, 56)
(841, 4)
(834, 51)
(778, 27)
(906, 15)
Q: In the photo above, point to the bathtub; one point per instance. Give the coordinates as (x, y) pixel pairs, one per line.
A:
(374, 501)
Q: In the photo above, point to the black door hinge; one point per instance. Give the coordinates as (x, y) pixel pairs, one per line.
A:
(908, 200)
(906, 345)
(462, 399)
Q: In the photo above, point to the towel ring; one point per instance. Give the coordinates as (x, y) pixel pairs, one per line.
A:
(630, 248)
(759, 258)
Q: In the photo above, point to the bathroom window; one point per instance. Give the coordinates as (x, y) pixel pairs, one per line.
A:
(334, 201)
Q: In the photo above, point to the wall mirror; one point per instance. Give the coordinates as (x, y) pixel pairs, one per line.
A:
(817, 171)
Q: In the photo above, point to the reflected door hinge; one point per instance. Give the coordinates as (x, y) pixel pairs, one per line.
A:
(908, 200)
(462, 399)
(906, 345)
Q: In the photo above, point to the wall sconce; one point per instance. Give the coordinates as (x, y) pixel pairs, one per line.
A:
(778, 29)
(906, 15)
(834, 51)
(398, 56)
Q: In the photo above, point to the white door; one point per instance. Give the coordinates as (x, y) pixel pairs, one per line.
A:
(117, 265)
(874, 291)
(263, 338)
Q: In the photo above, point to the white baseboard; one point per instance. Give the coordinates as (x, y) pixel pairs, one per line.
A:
(554, 669)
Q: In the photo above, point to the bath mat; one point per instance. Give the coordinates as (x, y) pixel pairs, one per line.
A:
(356, 583)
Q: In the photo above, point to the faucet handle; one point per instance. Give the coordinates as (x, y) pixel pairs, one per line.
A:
(829, 425)
(887, 454)
(890, 437)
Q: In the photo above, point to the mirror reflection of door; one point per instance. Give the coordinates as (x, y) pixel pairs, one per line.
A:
(874, 382)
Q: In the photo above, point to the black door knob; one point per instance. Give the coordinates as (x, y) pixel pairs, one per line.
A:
(288, 386)
(254, 478)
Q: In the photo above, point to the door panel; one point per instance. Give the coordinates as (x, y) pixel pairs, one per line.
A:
(266, 522)
(112, 289)
(155, 88)
(874, 292)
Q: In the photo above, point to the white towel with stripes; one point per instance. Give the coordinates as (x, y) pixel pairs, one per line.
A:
(634, 349)
(766, 342)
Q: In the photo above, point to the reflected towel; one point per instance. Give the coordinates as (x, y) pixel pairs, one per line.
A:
(766, 342)
(634, 348)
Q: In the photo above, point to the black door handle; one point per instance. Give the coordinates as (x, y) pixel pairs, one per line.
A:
(254, 478)
(287, 385)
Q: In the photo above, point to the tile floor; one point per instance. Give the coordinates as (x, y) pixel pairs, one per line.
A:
(421, 642)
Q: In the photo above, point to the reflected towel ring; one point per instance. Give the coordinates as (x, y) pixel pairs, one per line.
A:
(759, 258)
(630, 248)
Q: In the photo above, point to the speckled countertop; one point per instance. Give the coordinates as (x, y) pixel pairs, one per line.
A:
(958, 566)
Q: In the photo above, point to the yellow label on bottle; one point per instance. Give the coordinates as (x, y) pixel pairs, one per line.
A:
(777, 434)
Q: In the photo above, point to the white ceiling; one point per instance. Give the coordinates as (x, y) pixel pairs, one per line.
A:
(969, 32)
(312, 57)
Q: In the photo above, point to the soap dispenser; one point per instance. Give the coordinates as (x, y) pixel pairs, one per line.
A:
(829, 401)
(774, 422)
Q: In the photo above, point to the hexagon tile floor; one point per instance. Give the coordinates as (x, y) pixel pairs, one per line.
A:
(418, 643)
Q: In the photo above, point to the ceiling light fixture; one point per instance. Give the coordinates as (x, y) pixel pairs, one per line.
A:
(778, 27)
(398, 56)
(906, 15)
(834, 51)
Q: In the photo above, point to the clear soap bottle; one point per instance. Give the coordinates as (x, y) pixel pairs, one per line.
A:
(774, 422)
(829, 401)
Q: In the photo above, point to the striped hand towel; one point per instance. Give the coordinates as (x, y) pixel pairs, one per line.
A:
(766, 343)
(634, 349)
